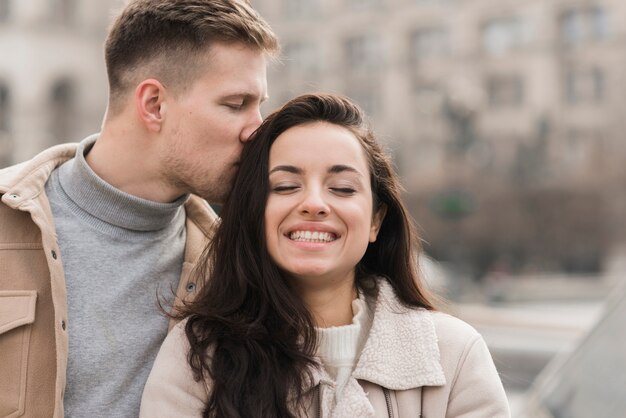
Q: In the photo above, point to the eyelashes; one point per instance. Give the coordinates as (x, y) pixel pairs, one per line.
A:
(343, 190)
(285, 189)
(234, 106)
(282, 189)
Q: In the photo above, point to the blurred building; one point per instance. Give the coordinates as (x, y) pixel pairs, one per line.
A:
(506, 118)
(530, 90)
(52, 78)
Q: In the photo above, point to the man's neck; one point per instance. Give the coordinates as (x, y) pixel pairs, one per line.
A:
(128, 162)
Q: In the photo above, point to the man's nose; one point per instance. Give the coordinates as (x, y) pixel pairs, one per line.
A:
(252, 124)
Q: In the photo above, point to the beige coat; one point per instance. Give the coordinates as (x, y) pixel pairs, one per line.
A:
(413, 362)
(33, 303)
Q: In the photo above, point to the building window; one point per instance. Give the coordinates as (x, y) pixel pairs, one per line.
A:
(430, 42)
(505, 90)
(301, 8)
(5, 10)
(364, 4)
(364, 54)
(5, 139)
(63, 110)
(368, 99)
(63, 12)
(428, 100)
(301, 58)
(432, 1)
(261, 6)
(4, 108)
(584, 25)
(503, 35)
(576, 147)
(584, 85)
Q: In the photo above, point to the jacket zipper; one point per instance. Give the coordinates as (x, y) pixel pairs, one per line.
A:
(388, 401)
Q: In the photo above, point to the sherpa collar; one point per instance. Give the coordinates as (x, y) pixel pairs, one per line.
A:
(401, 351)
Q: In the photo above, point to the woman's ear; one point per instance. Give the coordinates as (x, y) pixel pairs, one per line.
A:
(377, 221)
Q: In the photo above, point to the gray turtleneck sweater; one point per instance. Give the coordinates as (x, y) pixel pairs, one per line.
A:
(118, 252)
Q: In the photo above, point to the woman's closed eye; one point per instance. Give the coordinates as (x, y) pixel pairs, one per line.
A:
(343, 190)
(285, 188)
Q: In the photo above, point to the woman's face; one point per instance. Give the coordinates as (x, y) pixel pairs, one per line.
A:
(318, 218)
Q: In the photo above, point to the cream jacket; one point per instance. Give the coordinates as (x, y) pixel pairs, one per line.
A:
(33, 303)
(413, 362)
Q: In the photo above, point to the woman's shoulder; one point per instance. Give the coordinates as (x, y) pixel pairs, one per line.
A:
(473, 386)
(452, 330)
(178, 335)
(171, 389)
(455, 337)
(175, 347)
(462, 348)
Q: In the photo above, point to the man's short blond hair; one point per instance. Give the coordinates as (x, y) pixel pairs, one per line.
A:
(168, 40)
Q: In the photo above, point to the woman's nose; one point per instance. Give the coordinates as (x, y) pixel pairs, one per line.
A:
(314, 204)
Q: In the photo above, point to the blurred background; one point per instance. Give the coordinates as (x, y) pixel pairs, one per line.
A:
(506, 121)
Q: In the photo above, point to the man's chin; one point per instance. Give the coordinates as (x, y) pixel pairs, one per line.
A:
(214, 197)
(217, 192)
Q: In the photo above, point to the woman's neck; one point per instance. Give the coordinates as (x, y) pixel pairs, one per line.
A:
(331, 306)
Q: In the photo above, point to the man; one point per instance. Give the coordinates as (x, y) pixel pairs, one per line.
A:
(92, 233)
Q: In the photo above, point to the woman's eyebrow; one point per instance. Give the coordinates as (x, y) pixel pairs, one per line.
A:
(339, 168)
(335, 169)
(288, 168)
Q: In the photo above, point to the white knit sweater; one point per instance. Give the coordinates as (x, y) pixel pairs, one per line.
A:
(339, 347)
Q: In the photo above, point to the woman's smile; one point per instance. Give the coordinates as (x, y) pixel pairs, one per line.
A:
(319, 214)
(312, 233)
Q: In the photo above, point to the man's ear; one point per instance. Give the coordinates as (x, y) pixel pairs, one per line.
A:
(377, 221)
(150, 103)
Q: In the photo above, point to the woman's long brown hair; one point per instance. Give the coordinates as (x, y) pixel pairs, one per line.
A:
(251, 335)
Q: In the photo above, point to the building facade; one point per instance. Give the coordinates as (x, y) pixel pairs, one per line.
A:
(510, 111)
(53, 85)
(505, 118)
(530, 90)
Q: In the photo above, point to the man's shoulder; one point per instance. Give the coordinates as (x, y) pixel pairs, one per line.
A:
(200, 213)
(47, 159)
(8, 175)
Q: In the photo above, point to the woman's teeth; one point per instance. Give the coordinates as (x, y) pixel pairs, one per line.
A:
(315, 236)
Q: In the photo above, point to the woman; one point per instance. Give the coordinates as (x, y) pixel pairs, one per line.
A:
(315, 307)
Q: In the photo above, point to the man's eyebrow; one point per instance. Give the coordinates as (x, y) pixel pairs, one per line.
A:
(245, 96)
(288, 168)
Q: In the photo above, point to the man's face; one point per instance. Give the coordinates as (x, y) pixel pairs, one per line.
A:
(207, 125)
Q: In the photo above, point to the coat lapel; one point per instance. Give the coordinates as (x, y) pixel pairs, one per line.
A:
(353, 402)
(401, 351)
